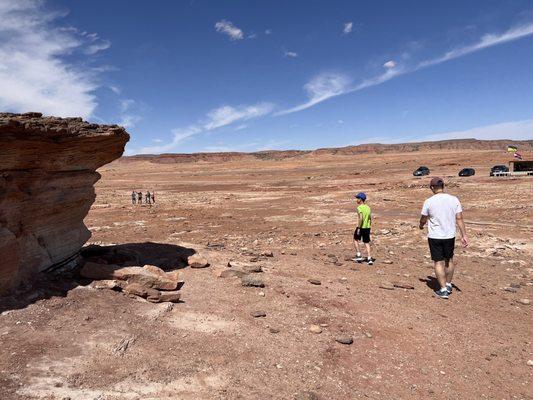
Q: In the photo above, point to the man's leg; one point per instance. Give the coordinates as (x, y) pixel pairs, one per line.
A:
(357, 248)
(450, 268)
(368, 253)
(440, 273)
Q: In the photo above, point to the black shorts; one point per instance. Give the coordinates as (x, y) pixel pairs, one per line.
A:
(441, 249)
(364, 233)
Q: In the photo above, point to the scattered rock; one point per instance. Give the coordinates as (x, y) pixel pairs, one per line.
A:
(267, 254)
(368, 335)
(306, 395)
(197, 261)
(124, 344)
(169, 296)
(142, 291)
(226, 273)
(388, 262)
(250, 280)
(315, 329)
(273, 330)
(530, 363)
(344, 340)
(259, 314)
(314, 282)
(524, 301)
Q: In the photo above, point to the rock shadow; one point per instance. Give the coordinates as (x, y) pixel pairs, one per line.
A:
(57, 282)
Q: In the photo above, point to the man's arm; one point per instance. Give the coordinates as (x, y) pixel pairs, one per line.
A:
(462, 228)
(423, 221)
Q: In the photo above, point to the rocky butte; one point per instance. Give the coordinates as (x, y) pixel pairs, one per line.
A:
(47, 175)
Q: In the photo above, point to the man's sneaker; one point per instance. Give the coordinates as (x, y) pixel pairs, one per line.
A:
(370, 261)
(449, 288)
(442, 293)
(359, 259)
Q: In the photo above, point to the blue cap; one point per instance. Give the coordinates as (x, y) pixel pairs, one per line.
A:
(361, 196)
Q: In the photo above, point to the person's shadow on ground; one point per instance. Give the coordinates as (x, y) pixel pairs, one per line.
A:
(58, 282)
(433, 283)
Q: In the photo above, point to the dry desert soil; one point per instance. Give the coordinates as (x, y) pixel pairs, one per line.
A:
(294, 218)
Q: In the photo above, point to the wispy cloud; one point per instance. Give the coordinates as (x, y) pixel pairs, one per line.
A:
(216, 118)
(129, 117)
(34, 72)
(290, 54)
(347, 28)
(227, 28)
(320, 88)
(330, 86)
(517, 130)
(99, 46)
(268, 31)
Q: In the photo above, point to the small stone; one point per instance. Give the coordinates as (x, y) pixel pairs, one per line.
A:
(524, 301)
(403, 285)
(273, 330)
(343, 280)
(315, 329)
(262, 294)
(226, 273)
(306, 395)
(314, 281)
(250, 280)
(259, 314)
(388, 262)
(267, 254)
(386, 286)
(197, 261)
(169, 296)
(368, 335)
(344, 340)
(530, 363)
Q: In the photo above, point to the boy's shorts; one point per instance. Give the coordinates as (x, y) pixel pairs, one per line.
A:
(362, 233)
(441, 249)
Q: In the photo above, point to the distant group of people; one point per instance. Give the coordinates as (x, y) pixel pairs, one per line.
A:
(443, 214)
(137, 198)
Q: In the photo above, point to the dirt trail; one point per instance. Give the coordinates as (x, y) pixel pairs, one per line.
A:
(406, 344)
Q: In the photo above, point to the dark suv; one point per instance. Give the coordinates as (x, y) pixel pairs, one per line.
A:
(467, 172)
(421, 171)
(498, 168)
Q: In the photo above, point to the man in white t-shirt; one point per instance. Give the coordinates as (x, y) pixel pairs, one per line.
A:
(443, 212)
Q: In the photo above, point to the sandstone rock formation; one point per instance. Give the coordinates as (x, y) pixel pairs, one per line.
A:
(47, 172)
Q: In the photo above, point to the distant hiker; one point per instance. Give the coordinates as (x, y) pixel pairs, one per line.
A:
(148, 198)
(362, 232)
(139, 197)
(444, 213)
(153, 197)
(133, 197)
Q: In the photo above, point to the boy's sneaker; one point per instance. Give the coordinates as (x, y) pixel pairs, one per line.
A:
(370, 261)
(359, 259)
(442, 294)
(449, 288)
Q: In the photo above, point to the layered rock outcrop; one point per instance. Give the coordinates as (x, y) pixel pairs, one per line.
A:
(47, 175)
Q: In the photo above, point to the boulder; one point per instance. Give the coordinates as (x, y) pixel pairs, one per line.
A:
(250, 280)
(137, 289)
(47, 174)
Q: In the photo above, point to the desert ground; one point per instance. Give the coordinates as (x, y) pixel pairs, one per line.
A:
(295, 219)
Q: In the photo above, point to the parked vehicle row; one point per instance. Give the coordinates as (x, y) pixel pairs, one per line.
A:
(422, 170)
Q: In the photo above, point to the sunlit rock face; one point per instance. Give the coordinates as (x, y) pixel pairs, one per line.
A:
(47, 175)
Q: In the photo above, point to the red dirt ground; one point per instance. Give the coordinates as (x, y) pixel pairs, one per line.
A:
(406, 343)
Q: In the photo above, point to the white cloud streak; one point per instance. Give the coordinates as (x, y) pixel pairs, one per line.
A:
(34, 75)
(334, 89)
(348, 28)
(227, 28)
(290, 54)
(216, 118)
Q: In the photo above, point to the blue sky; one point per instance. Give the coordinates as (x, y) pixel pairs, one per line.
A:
(188, 76)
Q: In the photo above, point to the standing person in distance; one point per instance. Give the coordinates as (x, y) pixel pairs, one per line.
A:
(362, 232)
(443, 213)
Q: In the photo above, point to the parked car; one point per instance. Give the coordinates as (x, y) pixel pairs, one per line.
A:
(421, 171)
(467, 172)
(498, 168)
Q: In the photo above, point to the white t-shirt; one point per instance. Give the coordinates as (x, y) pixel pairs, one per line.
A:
(441, 209)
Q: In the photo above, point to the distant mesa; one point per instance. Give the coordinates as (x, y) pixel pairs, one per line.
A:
(371, 148)
(47, 172)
